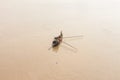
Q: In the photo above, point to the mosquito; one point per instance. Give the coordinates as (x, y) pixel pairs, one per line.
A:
(59, 39)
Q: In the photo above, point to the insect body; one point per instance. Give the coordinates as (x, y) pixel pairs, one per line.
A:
(57, 40)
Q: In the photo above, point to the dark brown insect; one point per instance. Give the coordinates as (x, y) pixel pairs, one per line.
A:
(59, 39)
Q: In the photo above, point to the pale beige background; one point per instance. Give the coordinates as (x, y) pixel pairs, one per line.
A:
(27, 28)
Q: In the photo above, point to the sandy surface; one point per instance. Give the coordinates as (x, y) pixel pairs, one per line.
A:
(27, 28)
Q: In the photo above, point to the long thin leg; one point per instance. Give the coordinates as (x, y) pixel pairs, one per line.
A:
(73, 36)
(69, 45)
(49, 48)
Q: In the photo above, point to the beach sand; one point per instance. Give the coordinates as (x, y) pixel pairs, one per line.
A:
(28, 27)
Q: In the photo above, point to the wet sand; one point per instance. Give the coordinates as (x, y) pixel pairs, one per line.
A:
(27, 29)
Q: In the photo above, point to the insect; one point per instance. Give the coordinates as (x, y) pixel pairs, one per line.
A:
(59, 39)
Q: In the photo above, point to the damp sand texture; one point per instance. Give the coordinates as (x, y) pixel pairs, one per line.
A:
(27, 29)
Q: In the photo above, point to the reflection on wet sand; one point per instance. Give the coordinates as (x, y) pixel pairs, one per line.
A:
(55, 49)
